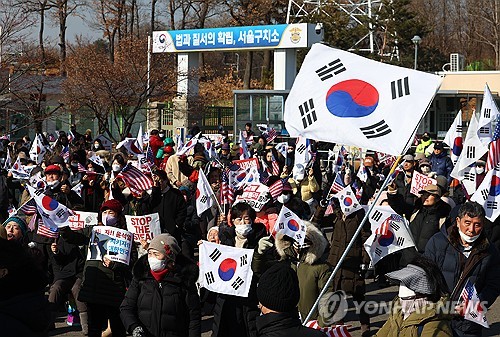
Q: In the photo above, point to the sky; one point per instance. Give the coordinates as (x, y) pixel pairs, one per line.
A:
(75, 26)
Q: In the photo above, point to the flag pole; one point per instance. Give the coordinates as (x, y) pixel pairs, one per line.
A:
(351, 243)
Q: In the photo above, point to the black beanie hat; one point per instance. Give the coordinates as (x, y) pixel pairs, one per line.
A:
(278, 288)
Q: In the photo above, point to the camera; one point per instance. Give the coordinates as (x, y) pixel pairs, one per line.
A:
(318, 28)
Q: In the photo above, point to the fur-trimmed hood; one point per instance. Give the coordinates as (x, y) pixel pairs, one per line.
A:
(314, 252)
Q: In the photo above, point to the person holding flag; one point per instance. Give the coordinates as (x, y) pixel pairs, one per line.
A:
(235, 316)
(305, 185)
(350, 277)
(464, 254)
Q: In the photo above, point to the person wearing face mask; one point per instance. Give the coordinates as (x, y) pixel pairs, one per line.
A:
(93, 197)
(97, 146)
(425, 145)
(400, 189)
(162, 299)
(417, 310)
(463, 252)
(235, 316)
(304, 185)
(170, 204)
(440, 161)
(104, 281)
(480, 172)
(60, 190)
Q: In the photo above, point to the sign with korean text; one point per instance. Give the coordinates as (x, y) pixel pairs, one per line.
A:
(227, 38)
(110, 242)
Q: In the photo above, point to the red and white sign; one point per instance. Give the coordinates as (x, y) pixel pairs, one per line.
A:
(247, 163)
(82, 219)
(144, 227)
(256, 195)
(419, 182)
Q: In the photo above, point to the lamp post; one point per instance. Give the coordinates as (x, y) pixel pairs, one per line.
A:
(416, 41)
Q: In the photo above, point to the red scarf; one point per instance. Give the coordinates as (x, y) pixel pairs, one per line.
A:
(159, 275)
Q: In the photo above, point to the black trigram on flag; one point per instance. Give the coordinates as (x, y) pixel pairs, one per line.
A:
(298, 237)
(473, 314)
(491, 204)
(400, 88)
(459, 128)
(485, 194)
(376, 130)
(400, 241)
(333, 68)
(209, 277)
(395, 226)
(378, 251)
(60, 213)
(243, 260)
(376, 215)
(301, 149)
(215, 254)
(308, 113)
(471, 151)
(281, 225)
(487, 113)
(485, 130)
(287, 214)
(469, 176)
(237, 283)
(203, 199)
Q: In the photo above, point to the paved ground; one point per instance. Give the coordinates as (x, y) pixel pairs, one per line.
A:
(374, 294)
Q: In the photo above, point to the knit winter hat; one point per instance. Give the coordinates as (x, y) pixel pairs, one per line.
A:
(20, 222)
(165, 244)
(113, 205)
(278, 288)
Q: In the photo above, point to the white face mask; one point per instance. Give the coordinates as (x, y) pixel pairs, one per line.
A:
(155, 264)
(96, 146)
(466, 238)
(405, 292)
(108, 220)
(116, 167)
(53, 184)
(425, 169)
(480, 170)
(243, 230)
(298, 177)
(284, 198)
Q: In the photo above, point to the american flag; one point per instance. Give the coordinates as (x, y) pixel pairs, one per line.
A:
(394, 174)
(29, 207)
(329, 208)
(358, 190)
(384, 227)
(343, 151)
(268, 132)
(494, 152)
(266, 172)
(277, 188)
(331, 331)
(276, 167)
(135, 179)
(81, 168)
(337, 185)
(226, 192)
(65, 153)
(150, 156)
(47, 231)
(473, 309)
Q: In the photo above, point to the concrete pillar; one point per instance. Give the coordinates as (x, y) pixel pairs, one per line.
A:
(285, 68)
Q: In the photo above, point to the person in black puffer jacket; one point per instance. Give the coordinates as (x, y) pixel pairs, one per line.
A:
(429, 215)
(162, 299)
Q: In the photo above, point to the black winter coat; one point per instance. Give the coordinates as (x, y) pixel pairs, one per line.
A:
(171, 208)
(284, 324)
(100, 284)
(167, 308)
(67, 262)
(482, 268)
(426, 221)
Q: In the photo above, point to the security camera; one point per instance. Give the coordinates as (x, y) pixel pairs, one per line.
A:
(318, 28)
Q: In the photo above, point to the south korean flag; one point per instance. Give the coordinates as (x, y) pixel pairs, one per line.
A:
(488, 194)
(225, 269)
(348, 202)
(340, 97)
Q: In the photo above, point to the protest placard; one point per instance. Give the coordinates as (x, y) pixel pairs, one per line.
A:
(114, 243)
(419, 181)
(256, 195)
(246, 163)
(144, 227)
(82, 219)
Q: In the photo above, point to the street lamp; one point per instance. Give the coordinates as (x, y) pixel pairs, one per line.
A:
(416, 41)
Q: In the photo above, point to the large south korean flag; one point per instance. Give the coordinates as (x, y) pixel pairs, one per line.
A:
(225, 269)
(344, 98)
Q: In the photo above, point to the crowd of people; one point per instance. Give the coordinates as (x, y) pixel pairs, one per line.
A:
(156, 294)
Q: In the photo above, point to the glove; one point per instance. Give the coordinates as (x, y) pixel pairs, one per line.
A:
(264, 244)
(138, 332)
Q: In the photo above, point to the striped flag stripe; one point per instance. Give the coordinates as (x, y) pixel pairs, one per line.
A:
(135, 179)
